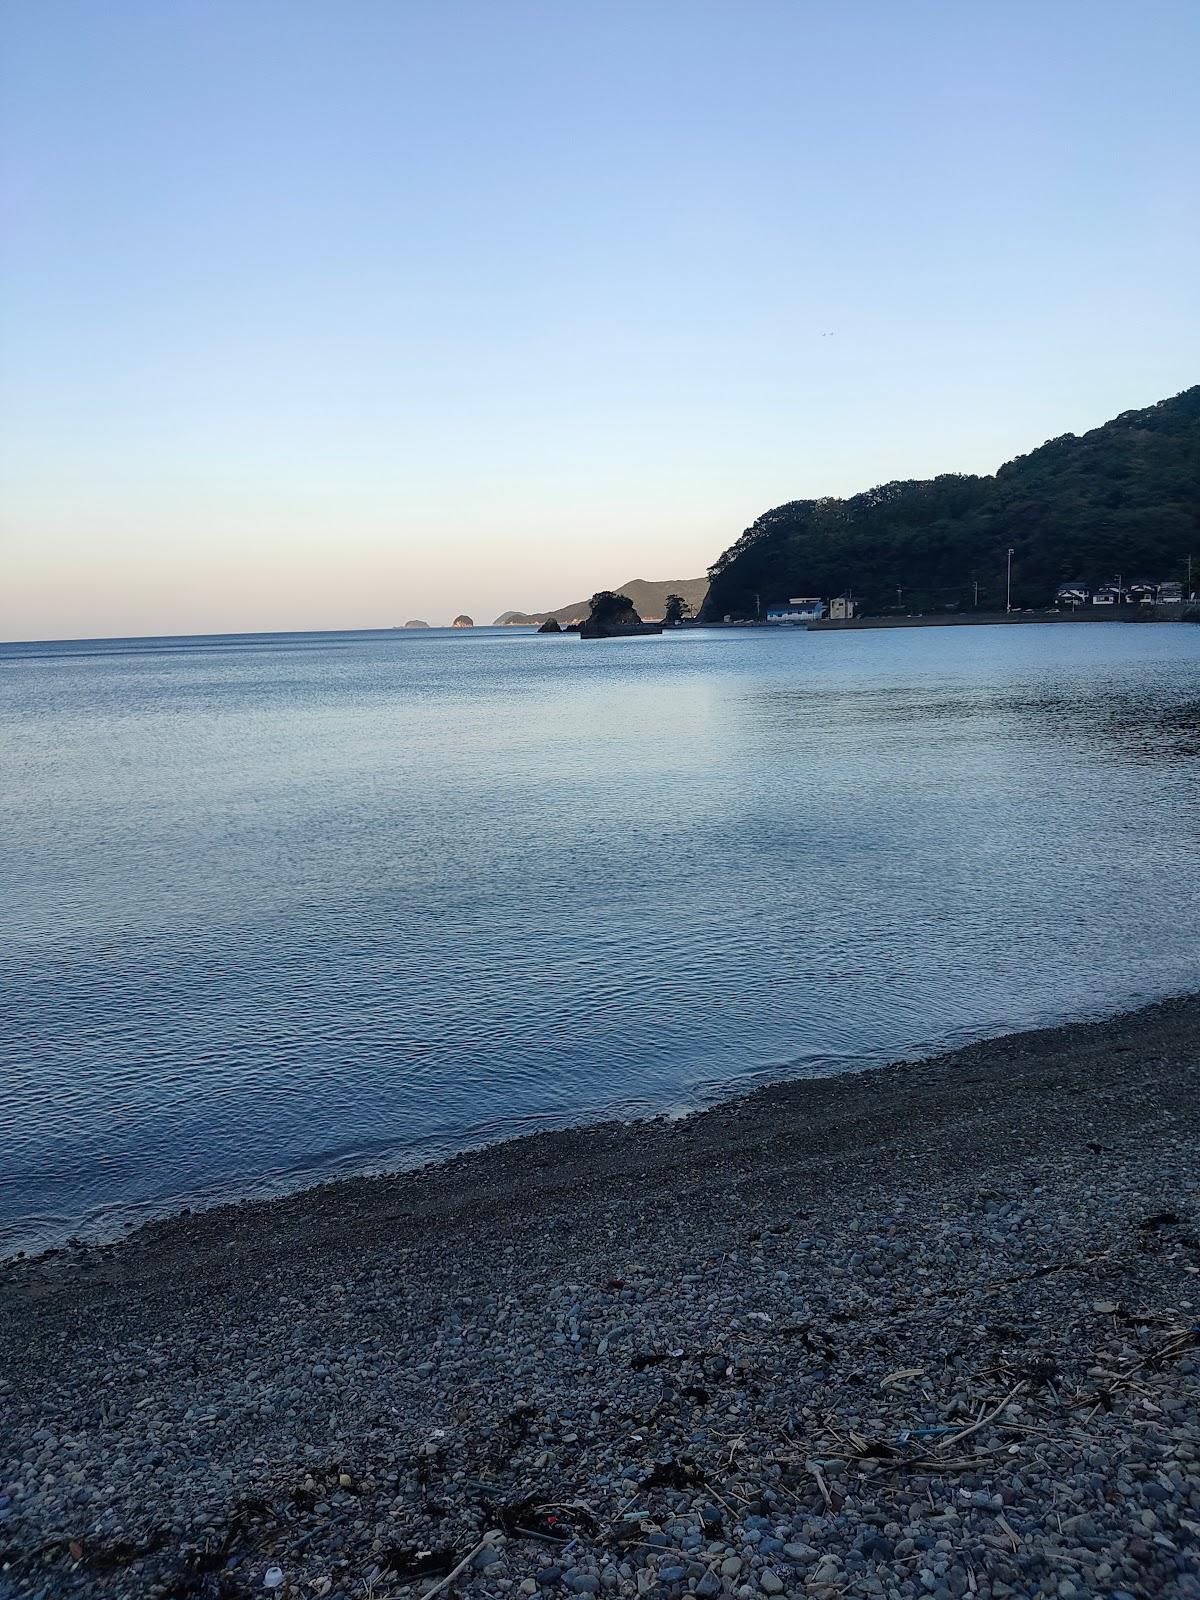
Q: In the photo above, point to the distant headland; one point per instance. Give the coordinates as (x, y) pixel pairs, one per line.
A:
(647, 596)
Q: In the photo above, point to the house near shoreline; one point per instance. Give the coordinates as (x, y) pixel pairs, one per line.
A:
(805, 609)
(1069, 595)
(1142, 592)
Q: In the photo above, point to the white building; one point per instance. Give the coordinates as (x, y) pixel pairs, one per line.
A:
(801, 610)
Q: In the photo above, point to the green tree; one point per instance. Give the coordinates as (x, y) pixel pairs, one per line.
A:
(676, 609)
(608, 606)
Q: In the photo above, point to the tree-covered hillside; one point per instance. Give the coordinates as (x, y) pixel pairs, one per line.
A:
(1123, 499)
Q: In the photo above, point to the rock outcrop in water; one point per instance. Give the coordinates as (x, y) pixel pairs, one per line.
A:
(551, 625)
(416, 623)
(463, 621)
(613, 617)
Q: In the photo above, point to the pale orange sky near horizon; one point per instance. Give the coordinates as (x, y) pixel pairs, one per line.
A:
(321, 559)
(333, 317)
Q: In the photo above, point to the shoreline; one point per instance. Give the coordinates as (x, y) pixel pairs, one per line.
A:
(659, 1323)
(1189, 612)
(493, 1166)
(89, 1235)
(995, 619)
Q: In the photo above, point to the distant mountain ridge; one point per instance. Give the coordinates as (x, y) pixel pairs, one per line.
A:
(1122, 499)
(649, 598)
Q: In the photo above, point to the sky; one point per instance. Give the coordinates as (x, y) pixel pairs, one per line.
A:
(336, 314)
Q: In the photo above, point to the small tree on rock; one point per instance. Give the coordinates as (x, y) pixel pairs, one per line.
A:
(676, 609)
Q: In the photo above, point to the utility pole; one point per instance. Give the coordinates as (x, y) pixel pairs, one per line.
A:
(1008, 601)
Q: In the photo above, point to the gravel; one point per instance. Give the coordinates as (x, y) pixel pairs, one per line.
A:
(926, 1332)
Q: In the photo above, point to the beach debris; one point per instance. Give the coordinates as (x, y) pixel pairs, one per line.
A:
(675, 1473)
(488, 1539)
(273, 1578)
(903, 1375)
(1160, 1219)
(551, 1521)
(814, 1467)
(415, 1561)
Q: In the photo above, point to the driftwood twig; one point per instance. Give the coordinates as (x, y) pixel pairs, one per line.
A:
(983, 1421)
(444, 1583)
(821, 1484)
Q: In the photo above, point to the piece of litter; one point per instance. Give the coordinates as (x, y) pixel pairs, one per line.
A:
(273, 1578)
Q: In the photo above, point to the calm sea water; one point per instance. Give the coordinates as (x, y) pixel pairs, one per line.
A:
(279, 908)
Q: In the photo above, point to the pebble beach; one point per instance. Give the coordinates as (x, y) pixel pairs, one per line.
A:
(929, 1331)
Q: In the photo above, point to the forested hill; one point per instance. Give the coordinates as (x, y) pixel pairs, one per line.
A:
(1123, 499)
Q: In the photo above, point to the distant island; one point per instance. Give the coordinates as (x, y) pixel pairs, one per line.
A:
(416, 623)
(1120, 502)
(463, 621)
(647, 596)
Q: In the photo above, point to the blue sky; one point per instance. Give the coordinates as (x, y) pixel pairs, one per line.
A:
(338, 314)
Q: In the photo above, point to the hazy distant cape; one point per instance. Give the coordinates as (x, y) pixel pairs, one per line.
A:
(649, 598)
(1122, 500)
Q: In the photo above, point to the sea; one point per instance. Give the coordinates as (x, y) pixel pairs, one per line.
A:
(280, 908)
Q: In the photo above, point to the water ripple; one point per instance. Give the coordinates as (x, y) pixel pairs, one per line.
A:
(284, 908)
